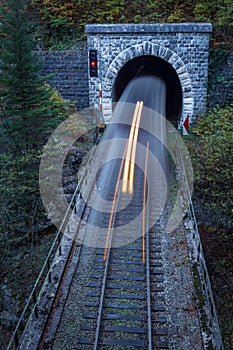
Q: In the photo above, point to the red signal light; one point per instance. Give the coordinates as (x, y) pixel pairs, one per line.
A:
(93, 63)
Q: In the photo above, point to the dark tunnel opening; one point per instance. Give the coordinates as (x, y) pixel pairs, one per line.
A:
(155, 66)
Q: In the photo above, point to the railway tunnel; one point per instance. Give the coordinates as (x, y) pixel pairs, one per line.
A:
(177, 53)
(152, 66)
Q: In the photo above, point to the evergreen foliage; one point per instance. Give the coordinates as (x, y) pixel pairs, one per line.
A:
(25, 99)
(29, 110)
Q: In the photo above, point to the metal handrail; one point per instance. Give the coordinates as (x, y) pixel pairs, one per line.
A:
(32, 300)
(201, 265)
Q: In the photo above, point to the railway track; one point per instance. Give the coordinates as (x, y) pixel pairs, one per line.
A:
(125, 307)
(125, 301)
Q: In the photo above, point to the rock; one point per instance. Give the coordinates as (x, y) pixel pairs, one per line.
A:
(9, 308)
(8, 319)
(51, 295)
(70, 188)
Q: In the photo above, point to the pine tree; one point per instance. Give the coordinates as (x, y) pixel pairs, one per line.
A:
(28, 113)
(25, 99)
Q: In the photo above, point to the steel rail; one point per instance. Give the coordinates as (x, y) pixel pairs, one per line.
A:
(114, 204)
(126, 160)
(144, 204)
(149, 322)
(107, 252)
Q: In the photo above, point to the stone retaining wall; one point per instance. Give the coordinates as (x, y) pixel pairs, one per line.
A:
(220, 89)
(70, 69)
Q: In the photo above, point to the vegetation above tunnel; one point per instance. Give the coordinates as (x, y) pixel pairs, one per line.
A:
(62, 22)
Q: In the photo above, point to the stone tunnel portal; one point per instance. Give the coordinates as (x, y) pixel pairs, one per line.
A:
(155, 66)
(176, 51)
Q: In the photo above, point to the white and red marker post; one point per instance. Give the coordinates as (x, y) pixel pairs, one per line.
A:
(185, 125)
(101, 104)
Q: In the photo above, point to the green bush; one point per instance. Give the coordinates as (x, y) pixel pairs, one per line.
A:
(203, 11)
(62, 22)
(211, 146)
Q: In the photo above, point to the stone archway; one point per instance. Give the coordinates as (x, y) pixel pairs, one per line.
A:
(143, 49)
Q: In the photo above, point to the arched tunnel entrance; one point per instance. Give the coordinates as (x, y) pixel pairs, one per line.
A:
(154, 66)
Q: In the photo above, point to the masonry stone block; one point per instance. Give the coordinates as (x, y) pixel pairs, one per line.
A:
(168, 56)
(147, 48)
(155, 50)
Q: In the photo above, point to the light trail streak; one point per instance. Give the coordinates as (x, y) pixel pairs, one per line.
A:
(128, 176)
